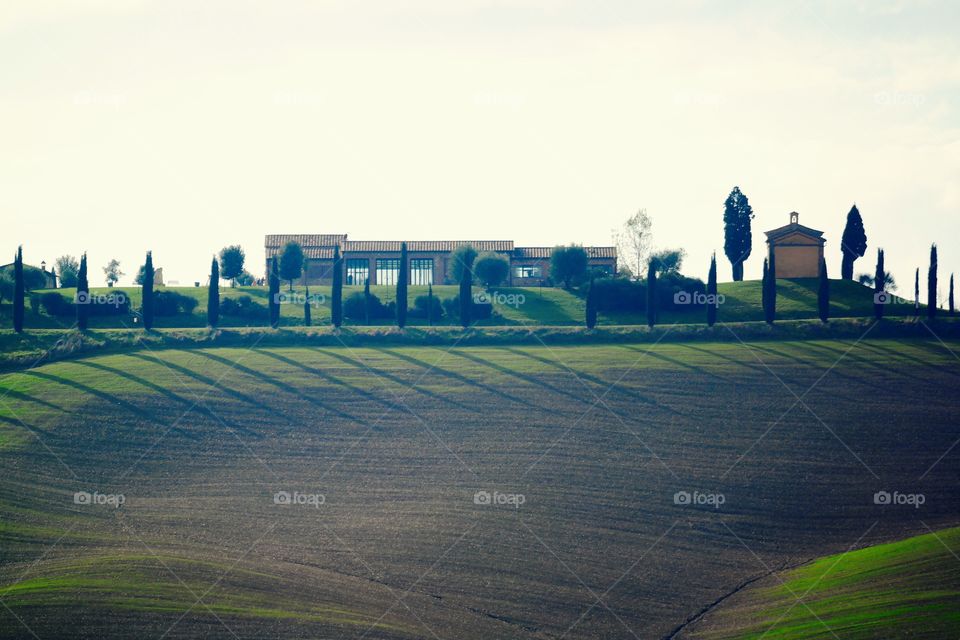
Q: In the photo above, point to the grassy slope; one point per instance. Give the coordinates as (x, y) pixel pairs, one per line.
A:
(400, 438)
(546, 306)
(909, 588)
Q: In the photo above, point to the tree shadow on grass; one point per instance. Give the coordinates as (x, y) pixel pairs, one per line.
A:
(357, 364)
(458, 377)
(810, 364)
(360, 391)
(679, 363)
(933, 348)
(25, 397)
(259, 375)
(604, 384)
(752, 364)
(108, 398)
(852, 356)
(519, 376)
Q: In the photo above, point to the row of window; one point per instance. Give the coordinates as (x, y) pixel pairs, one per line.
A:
(388, 271)
(421, 271)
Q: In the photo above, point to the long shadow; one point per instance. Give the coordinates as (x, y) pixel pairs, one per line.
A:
(360, 391)
(20, 395)
(852, 356)
(259, 375)
(679, 363)
(106, 397)
(457, 376)
(810, 364)
(393, 378)
(749, 365)
(603, 384)
(917, 361)
(216, 384)
(153, 386)
(519, 376)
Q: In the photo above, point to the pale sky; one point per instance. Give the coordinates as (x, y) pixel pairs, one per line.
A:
(185, 126)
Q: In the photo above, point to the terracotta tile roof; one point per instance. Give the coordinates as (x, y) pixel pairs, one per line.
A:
(544, 252)
(306, 240)
(373, 246)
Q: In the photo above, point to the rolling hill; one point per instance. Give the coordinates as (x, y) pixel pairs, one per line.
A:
(607, 491)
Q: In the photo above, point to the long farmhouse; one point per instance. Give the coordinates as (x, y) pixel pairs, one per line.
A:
(429, 260)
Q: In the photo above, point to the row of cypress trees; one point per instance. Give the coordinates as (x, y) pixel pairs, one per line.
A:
(769, 291)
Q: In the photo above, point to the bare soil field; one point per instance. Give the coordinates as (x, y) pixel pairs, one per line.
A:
(602, 491)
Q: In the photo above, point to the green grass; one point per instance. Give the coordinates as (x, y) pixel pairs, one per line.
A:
(909, 588)
(797, 299)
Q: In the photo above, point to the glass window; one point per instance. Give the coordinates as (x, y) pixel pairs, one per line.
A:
(358, 271)
(388, 270)
(527, 272)
(421, 271)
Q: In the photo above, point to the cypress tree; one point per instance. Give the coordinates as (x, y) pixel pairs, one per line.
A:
(879, 284)
(307, 316)
(18, 291)
(366, 301)
(213, 294)
(591, 307)
(402, 287)
(148, 304)
(83, 294)
(916, 293)
(823, 292)
(738, 237)
(430, 304)
(932, 284)
(712, 291)
(952, 309)
(853, 244)
(466, 280)
(336, 297)
(651, 293)
(771, 299)
(274, 291)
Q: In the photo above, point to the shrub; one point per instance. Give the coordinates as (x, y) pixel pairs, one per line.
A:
(111, 304)
(620, 294)
(354, 308)
(243, 307)
(491, 269)
(478, 311)
(171, 303)
(421, 305)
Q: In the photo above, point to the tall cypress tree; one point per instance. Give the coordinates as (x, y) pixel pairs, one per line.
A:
(738, 237)
(430, 304)
(213, 294)
(18, 291)
(366, 301)
(879, 284)
(651, 293)
(336, 290)
(932, 284)
(148, 305)
(274, 291)
(591, 307)
(823, 292)
(950, 301)
(466, 290)
(853, 244)
(82, 298)
(772, 289)
(712, 303)
(916, 293)
(402, 287)
(307, 315)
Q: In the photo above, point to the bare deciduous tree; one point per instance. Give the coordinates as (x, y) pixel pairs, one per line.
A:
(633, 241)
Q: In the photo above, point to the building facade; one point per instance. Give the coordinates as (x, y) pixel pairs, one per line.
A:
(797, 250)
(429, 261)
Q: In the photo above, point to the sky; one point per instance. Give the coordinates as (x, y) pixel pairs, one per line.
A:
(185, 126)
